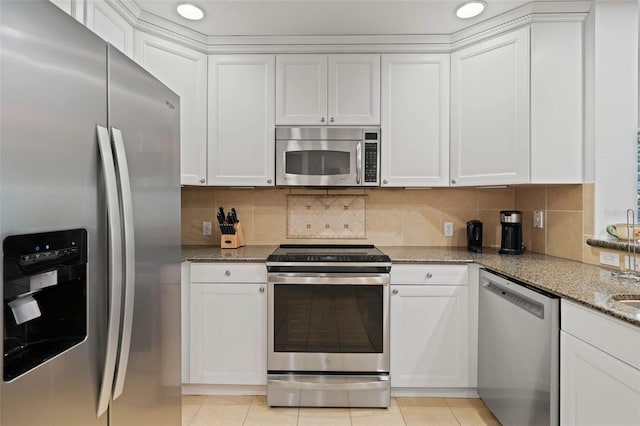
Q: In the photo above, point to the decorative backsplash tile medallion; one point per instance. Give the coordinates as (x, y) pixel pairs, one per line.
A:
(326, 216)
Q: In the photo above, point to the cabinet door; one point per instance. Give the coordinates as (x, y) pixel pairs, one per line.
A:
(415, 120)
(354, 89)
(556, 102)
(301, 89)
(185, 72)
(429, 336)
(241, 120)
(595, 387)
(103, 20)
(228, 334)
(490, 111)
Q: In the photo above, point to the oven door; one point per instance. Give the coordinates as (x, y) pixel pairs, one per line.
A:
(318, 162)
(335, 322)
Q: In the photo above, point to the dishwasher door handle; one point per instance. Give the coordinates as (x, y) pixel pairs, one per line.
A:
(519, 300)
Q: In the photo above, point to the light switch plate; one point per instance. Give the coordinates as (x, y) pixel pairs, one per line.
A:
(448, 229)
(538, 219)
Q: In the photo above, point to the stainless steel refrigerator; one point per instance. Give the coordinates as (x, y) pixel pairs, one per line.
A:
(90, 227)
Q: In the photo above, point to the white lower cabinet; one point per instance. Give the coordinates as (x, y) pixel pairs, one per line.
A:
(599, 369)
(228, 325)
(429, 333)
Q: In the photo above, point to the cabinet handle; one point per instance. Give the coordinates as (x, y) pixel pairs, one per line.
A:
(385, 181)
(332, 119)
(429, 275)
(261, 289)
(322, 119)
(202, 180)
(268, 180)
(395, 291)
(453, 181)
(227, 273)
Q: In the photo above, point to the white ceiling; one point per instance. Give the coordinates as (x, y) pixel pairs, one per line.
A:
(324, 17)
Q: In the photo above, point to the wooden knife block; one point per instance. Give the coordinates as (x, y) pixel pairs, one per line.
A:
(232, 241)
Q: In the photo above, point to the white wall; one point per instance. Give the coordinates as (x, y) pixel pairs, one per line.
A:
(611, 108)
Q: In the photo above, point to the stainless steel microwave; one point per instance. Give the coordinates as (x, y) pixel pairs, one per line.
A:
(328, 156)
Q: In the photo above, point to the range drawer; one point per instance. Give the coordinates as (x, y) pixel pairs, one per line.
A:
(228, 273)
(430, 274)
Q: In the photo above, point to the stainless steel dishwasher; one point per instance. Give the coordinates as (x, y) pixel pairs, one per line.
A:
(518, 351)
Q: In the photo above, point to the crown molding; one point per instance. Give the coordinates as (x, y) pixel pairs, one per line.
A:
(534, 12)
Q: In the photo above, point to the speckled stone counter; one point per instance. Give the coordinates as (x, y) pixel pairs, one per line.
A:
(216, 254)
(612, 244)
(585, 284)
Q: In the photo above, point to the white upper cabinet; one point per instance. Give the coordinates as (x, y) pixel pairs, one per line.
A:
(415, 120)
(328, 89)
(490, 111)
(241, 120)
(301, 89)
(103, 20)
(184, 71)
(557, 102)
(517, 107)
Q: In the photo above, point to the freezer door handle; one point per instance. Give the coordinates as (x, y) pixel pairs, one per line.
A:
(129, 262)
(115, 268)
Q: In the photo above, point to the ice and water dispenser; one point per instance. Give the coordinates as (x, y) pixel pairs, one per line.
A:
(45, 297)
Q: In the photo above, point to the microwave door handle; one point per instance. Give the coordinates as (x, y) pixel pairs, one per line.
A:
(358, 162)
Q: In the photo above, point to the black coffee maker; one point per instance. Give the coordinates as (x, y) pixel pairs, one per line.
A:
(474, 236)
(511, 242)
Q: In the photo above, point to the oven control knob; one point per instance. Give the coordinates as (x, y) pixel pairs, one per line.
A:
(395, 291)
(261, 289)
(429, 275)
(227, 272)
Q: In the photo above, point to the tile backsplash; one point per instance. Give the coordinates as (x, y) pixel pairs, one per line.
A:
(395, 216)
(326, 216)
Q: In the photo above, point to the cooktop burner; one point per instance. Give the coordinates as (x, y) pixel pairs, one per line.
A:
(358, 253)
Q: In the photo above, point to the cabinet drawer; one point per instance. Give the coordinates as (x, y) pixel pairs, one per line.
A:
(613, 336)
(228, 273)
(430, 274)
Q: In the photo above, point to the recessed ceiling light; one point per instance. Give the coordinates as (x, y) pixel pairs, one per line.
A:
(190, 11)
(470, 9)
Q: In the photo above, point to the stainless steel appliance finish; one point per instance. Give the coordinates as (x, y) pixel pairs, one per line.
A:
(327, 156)
(62, 90)
(518, 352)
(328, 319)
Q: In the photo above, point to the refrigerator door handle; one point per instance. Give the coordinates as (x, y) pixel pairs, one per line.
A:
(115, 268)
(130, 260)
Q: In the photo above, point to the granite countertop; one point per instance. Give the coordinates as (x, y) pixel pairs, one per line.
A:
(588, 285)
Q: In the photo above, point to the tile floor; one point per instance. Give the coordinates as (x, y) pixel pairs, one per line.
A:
(253, 411)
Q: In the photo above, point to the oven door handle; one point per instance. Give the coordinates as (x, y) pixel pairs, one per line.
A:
(379, 383)
(333, 279)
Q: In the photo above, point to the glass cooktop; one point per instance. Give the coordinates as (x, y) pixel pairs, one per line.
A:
(360, 253)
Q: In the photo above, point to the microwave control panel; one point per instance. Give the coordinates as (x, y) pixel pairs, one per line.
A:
(370, 162)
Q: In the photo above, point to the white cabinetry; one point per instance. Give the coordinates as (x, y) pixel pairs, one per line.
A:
(599, 369)
(517, 111)
(429, 318)
(185, 72)
(103, 20)
(228, 324)
(241, 120)
(490, 111)
(328, 89)
(415, 120)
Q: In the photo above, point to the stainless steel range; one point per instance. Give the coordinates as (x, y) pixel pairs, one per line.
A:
(328, 326)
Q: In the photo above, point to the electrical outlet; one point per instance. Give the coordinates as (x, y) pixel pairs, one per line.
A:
(628, 263)
(448, 229)
(206, 227)
(609, 259)
(538, 219)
